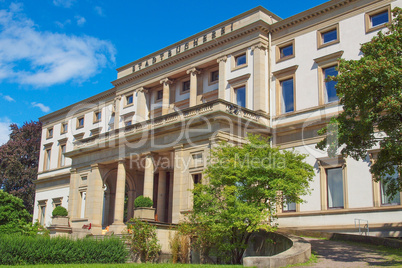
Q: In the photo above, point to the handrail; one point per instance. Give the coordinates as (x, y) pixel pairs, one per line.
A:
(365, 227)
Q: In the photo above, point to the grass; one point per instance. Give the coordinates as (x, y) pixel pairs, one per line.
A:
(313, 259)
(124, 265)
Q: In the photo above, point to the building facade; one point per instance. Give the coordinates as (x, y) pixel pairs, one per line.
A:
(255, 73)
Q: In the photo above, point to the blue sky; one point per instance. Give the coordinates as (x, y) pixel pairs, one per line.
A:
(54, 53)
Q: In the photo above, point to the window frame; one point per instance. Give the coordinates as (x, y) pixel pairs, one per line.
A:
(49, 132)
(96, 119)
(280, 76)
(323, 63)
(182, 89)
(278, 48)
(47, 158)
(238, 82)
(126, 98)
(42, 205)
(62, 131)
(368, 15)
(331, 163)
(78, 126)
(210, 81)
(236, 55)
(235, 89)
(156, 95)
(320, 40)
(62, 158)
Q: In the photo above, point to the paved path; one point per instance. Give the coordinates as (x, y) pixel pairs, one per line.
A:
(340, 254)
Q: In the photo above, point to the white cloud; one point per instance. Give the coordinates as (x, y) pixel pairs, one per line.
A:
(41, 106)
(99, 11)
(4, 130)
(63, 3)
(38, 58)
(80, 20)
(8, 98)
(63, 24)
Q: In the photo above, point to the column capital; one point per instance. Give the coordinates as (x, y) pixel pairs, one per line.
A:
(95, 166)
(224, 59)
(261, 46)
(166, 81)
(73, 171)
(121, 161)
(141, 90)
(118, 97)
(193, 70)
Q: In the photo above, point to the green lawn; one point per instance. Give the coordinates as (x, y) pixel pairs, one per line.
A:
(162, 265)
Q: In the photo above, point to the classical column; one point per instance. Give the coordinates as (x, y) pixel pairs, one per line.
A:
(95, 199)
(166, 95)
(120, 191)
(177, 183)
(130, 204)
(73, 200)
(116, 108)
(222, 77)
(259, 81)
(160, 210)
(149, 176)
(194, 72)
(142, 111)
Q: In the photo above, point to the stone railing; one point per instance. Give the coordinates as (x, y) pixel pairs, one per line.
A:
(204, 109)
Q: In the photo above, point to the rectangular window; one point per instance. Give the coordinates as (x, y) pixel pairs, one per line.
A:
(330, 90)
(159, 95)
(214, 76)
(97, 117)
(62, 157)
(64, 128)
(288, 206)
(386, 199)
(49, 133)
(286, 51)
(240, 93)
(241, 60)
(377, 19)
(42, 214)
(287, 96)
(185, 87)
(129, 99)
(48, 153)
(328, 36)
(197, 178)
(127, 123)
(80, 122)
(335, 187)
(83, 199)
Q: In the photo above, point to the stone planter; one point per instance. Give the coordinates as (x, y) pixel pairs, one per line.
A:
(144, 213)
(60, 221)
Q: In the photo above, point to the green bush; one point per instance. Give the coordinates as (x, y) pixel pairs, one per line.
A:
(59, 211)
(143, 202)
(144, 242)
(21, 250)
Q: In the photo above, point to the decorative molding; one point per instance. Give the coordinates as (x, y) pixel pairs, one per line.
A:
(141, 90)
(283, 72)
(238, 79)
(193, 70)
(166, 81)
(224, 59)
(329, 58)
(261, 46)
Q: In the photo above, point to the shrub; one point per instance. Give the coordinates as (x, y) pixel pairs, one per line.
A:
(18, 250)
(59, 211)
(143, 240)
(143, 202)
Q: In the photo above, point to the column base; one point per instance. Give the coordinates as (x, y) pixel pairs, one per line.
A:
(96, 230)
(117, 228)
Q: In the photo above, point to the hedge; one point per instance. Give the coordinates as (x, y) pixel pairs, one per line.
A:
(17, 250)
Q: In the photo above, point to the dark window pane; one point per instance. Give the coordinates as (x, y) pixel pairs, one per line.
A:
(286, 51)
(159, 95)
(379, 19)
(241, 96)
(387, 199)
(335, 187)
(129, 99)
(287, 96)
(329, 36)
(214, 76)
(330, 90)
(186, 86)
(240, 60)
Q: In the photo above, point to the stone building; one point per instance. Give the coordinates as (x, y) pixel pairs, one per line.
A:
(255, 73)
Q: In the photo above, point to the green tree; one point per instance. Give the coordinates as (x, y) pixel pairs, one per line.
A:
(370, 91)
(239, 196)
(19, 159)
(14, 218)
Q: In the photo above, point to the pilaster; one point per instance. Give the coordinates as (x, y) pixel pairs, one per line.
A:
(259, 75)
(194, 72)
(166, 82)
(95, 199)
(222, 77)
(142, 109)
(149, 176)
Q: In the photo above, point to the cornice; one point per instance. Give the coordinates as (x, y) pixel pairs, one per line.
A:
(219, 41)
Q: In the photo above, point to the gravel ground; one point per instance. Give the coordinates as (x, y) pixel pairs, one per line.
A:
(340, 254)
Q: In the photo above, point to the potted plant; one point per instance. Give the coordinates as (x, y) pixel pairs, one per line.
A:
(60, 216)
(143, 208)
